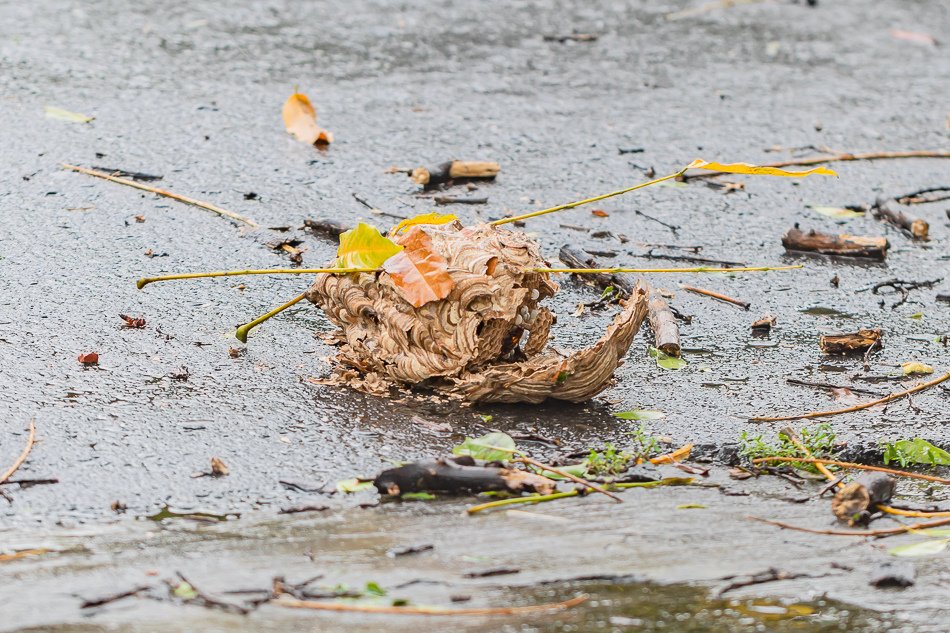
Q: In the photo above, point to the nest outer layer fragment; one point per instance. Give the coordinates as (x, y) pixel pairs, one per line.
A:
(484, 342)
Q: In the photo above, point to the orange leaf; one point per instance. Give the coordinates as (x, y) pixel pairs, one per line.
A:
(600, 213)
(90, 358)
(419, 271)
(300, 119)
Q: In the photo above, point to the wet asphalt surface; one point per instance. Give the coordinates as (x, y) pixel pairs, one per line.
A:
(193, 91)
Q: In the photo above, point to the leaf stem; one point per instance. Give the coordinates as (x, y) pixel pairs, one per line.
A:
(698, 269)
(241, 332)
(571, 205)
(270, 271)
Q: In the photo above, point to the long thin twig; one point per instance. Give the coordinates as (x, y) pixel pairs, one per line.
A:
(697, 269)
(168, 194)
(832, 462)
(669, 481)
(567, 475)
(346, 271)
(409, 610)
(881, 532)
(745, 305)
(831, 158)
(30, 440)
(22, 554)
(570, 205)
(857, 407)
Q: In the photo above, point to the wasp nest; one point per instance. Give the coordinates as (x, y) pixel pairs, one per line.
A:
(486, 341)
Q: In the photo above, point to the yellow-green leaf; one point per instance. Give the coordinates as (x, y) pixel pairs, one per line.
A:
(65, 115)
(916, 367)
(838, 212)
(756, 170)
(364, 247)
(425, 218)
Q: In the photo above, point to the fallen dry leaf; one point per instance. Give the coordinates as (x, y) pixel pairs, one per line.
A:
(133, 322)
(600, 213)
(65, 115)
(418, 270)
(757, 170)
(218, 467)
(300, 119)
(90, 358)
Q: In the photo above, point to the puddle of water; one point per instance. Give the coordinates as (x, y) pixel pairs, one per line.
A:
(688, 609)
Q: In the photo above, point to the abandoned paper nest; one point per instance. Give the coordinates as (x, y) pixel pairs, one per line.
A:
(486, 341)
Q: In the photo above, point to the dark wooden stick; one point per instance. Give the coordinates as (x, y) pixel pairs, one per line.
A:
(745, 305)
(326, 228)
(459, 200)
(447, 476)
(915, 227)
(454, 170)
(842, 245)
(662, 320)
(574, 257)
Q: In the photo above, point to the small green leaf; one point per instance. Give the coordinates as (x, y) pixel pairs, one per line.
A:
(400, 602)
(417, 496)
(493, 447)
(916, 315)
(838, 212)
(640, 414)
(935, 532)
(486, 418)
(364, 247)
(665, 361)
(354, 484)
(915, 451)
(923, 548)
(608, 292)
(373, 589)
(691, 506)
(65, 115)
(185, 591)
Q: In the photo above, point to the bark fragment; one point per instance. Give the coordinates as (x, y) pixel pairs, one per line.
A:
(843, 244)
(862, 495)
(852, 342)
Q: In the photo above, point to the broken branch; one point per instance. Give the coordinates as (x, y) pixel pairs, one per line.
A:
(832, 462)
(745, 305)
(168, 194)
(857, 407)
(407, 610)
(30, 441)
(564, 473)
(882, 532)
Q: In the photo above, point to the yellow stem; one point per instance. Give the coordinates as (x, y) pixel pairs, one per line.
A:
(345, 271)
(571, 205)
(242, 331)
(698, 269)
(272, 271)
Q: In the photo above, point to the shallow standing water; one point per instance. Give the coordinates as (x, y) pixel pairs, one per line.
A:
(192, 91)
